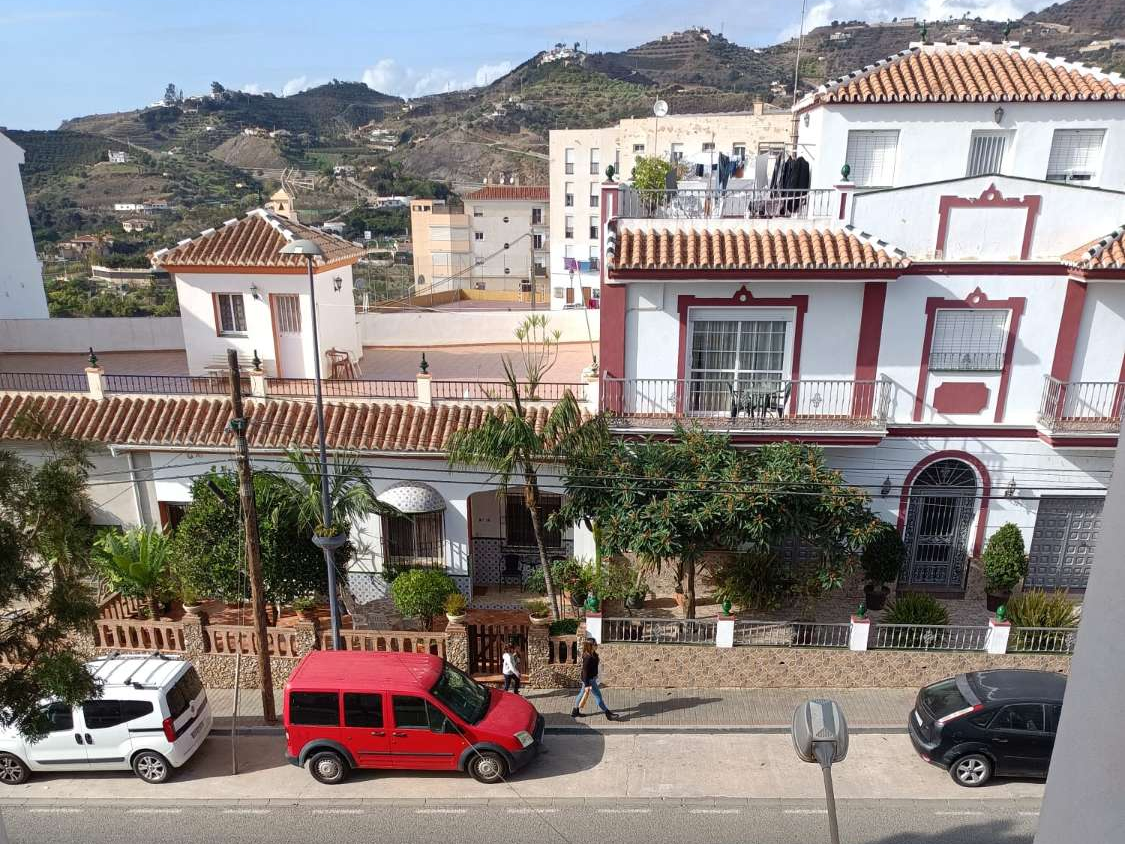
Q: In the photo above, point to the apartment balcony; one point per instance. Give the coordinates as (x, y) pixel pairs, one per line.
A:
(716, 204)
(809, 406)
(1081, 407)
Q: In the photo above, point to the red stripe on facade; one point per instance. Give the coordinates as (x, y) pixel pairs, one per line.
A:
(1069, 322)
(870, 337)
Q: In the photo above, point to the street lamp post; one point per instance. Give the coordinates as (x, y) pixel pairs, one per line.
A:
(310, 251)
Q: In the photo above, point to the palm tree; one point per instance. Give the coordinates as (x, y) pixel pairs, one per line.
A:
(509, 445)
(136, 563)
(350, 494)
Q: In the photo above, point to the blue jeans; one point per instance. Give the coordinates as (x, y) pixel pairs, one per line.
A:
(596, 691)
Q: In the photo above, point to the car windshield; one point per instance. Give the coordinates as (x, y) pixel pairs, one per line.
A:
(467, 698)
(942, 698)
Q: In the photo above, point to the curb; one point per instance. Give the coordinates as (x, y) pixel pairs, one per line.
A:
(654, 729)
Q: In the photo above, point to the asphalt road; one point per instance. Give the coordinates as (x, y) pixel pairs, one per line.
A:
(513, 821)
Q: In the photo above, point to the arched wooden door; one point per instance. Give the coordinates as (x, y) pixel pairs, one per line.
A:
(941, 508)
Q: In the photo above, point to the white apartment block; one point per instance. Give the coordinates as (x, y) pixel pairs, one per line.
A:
(579, 157)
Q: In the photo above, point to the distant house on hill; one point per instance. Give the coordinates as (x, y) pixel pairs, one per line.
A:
(83, 245)
(136, 224)
(118, 156)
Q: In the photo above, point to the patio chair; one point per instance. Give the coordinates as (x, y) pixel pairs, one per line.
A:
(511, 572)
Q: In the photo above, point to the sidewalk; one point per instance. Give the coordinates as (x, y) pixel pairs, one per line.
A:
(760, 710)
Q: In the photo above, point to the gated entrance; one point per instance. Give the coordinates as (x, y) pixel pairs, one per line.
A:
(486, 646)
(942, 503)
(1062, 547)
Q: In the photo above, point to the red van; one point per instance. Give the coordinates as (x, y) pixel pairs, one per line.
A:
(414, 712)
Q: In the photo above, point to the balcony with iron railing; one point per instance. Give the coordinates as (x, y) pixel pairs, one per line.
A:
(1081, 407)
(719, 204)
(808, 405)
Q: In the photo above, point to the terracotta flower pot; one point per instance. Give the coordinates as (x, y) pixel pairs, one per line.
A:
(540, 621)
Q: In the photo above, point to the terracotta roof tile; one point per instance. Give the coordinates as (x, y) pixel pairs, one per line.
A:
(254, 241)
(972, 73)
(1105, 253)
(532, 193)
(273, 423)
(752, 249)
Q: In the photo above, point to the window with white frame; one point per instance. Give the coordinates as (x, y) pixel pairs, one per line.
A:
(568, 160)
(738, 149)
(1075, 155)
(986, 153)
(537, 241)
(747, 353)
(595, 161)
(568, 231)
(594, 199)
(568, 194)
(969, 340)
(594, 234)
(871, 156)
(708, 146)
(477, 212)
(638, 148)
(478, 235)
(677, 152)
(232, 313)
(288, 308)
(594, 255)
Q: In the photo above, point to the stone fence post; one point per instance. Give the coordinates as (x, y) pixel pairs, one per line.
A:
(998, 633)
(594, 626)
(308, 639)
(724, 631)
(859, 634)
(539, 655)
(457, 646)
(195, 642)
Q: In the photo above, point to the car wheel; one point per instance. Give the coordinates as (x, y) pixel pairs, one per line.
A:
(12, 770)
(151, 767)
(328, 767)
(488, 767)
(971, 771)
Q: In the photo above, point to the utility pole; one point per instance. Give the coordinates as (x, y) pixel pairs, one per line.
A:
(253, 543)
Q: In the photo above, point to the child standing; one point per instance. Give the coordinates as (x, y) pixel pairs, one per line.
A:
(511, 668)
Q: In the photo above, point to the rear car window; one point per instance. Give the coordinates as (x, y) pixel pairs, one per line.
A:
(943, 698)
(319, 709)
(100, 714)
(180, 696)
(362, 710)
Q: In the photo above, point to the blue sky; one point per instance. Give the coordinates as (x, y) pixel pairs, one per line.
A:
(64, 58)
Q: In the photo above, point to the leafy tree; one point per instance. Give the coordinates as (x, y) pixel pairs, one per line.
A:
(676, 500)
(208, 548)
(217, 88)
(296, 489)
(136, 563)
(169, 98)
(650, 173)
(883, 557)
(45, 537)
(421, 593)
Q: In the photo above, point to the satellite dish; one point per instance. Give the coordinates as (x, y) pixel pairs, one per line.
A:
(660, 108)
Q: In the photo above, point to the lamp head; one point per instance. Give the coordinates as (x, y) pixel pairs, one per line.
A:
(302, 247)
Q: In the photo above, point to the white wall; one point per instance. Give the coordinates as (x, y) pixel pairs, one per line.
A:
(104, 334)
(335, 310)
(1101, 334)
(21, 276)
(1069, 217)
(934, 138)
(431, 329)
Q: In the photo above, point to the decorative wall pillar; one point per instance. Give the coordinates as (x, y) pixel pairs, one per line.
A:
(457, 646)
(307, 639)
(998, 633)
(724, 631)
(539, 655)
(425, 388)
(859, 634)
(94, 375)
(594, 626)
(195, 642)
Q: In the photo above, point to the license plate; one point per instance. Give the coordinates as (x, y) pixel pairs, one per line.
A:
(196, 730)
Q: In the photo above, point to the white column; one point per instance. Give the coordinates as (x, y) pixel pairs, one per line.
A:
(593, 382)
(258, 383)
(859, 634)
(94, 381)
(841, 213)
(594, 626)
(724, 631)
(998, 632)
(425, 389)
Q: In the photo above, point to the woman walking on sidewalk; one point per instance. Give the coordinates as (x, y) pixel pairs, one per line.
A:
(511, 668)
(590, 664)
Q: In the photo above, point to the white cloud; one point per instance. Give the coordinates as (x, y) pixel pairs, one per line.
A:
(390, 77)
(294, 86)
(252, 88)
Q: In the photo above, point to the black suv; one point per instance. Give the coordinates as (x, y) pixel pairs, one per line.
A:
(989, 722)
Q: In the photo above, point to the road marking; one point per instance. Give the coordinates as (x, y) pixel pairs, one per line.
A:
(958, 814)
(806, 811)
(337, 811)
(624, 811)
(1030, 814)
(531, 811)
(246, 811)
(440, 811)
(154, 811)
(715, 811)
(56, 811)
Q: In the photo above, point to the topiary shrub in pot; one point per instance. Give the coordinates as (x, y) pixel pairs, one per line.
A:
(1005, 564)
(882, 560)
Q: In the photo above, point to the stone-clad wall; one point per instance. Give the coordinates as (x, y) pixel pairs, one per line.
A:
(686, 666)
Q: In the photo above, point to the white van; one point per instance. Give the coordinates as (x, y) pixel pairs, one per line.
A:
(151, 717)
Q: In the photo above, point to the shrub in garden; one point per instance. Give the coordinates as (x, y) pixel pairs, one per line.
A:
(1004, 559)
(1037, 608)
(883, 557)
(422, 593)
(915, 608)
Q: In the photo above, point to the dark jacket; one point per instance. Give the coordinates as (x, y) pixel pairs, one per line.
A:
(590, 667)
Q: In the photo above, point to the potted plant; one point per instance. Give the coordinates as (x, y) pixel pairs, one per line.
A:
(330, 537)
(882, 561)
(1005, 564)
(191, 601)
(635, 600)
(305, 607)
(455, 606)
(539, 611)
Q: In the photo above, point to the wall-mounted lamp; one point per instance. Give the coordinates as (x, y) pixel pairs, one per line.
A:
(337, 283)
(885, 490)
(806, 118)
(1010, 490)
(254, 291)
(998, 115)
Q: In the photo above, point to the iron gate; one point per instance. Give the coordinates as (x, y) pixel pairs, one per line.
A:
(1062, 547)
(941, 507)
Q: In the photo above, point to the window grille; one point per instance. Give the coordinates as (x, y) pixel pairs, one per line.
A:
(969, 341)
(1075, 154)
(289, 314)
(518, 532)
(871, 155)
(986, 153)
(417, 540)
